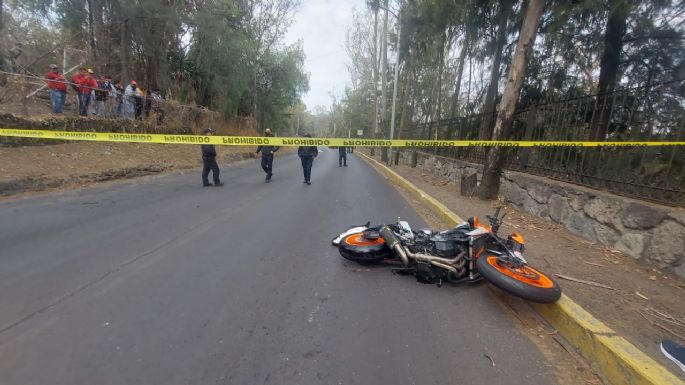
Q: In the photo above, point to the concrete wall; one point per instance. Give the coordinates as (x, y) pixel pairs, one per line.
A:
(652, 233)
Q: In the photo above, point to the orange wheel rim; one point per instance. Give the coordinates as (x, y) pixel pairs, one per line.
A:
(359, 240)
(525, 274)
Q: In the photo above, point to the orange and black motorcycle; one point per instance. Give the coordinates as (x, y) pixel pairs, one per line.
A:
(466, 253)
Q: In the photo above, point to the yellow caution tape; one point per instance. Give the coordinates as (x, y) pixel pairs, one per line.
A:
(294, 142)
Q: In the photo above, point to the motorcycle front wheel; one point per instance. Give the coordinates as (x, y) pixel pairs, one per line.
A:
(523, 281)
(355, 247)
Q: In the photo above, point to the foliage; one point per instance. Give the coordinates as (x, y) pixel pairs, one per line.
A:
(227, 55)
(565, 62)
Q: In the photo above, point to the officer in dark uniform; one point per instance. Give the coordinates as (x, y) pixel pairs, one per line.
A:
(209, 162)
(342, 159)
(307, 155)
(267, 157)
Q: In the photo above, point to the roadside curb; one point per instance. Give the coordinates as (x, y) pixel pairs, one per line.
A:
(616, 360)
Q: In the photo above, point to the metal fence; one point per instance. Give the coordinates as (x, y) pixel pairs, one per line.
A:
(655, 113)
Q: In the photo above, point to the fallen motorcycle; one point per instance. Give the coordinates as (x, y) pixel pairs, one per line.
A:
(467, 253)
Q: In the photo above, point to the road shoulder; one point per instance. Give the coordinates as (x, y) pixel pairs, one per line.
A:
(558, 252)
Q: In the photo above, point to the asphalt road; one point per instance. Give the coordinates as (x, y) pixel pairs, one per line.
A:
(161, 281)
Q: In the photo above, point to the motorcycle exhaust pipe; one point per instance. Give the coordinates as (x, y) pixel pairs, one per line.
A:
(442, 265)
(431, 258)
(394, 244)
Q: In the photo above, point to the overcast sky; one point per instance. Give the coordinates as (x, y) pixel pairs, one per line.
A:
(321, 25)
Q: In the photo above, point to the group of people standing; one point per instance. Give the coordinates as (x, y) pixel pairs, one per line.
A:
(306, 154)
(102, 96)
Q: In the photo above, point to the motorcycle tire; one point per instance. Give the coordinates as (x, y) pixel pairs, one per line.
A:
(355, 247)
(524, 282)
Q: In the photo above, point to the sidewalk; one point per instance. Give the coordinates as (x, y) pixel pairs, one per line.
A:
(641, 303)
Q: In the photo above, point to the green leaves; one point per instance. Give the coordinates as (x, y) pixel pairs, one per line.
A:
(223, 54)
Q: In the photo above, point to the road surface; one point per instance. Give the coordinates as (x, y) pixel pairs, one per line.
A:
(161, 281)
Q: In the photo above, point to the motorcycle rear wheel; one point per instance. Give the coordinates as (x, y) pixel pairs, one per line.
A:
(525, 282)
(355, 247)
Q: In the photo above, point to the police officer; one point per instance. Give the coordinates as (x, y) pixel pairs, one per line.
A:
(209, 162)
(267, 157)
(342, 158)
(307, 155)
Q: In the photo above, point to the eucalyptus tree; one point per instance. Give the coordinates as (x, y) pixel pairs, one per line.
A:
(489, 186)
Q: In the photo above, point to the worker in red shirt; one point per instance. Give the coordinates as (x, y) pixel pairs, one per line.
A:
(84, 85)
(58, 88)
(76, 80)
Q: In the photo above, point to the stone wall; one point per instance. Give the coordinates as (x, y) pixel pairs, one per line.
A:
(652, 233)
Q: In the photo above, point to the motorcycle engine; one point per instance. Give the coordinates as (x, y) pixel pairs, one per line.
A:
(447, 244)
(426, 273)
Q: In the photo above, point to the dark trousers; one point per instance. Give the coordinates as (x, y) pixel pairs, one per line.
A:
(268, 164)
(210, 164)
(342, 159)
(307, 162)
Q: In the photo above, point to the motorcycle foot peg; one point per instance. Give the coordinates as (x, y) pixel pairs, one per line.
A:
(475, 278)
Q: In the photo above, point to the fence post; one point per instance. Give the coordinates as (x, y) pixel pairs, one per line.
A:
(531, 122)
(414, 158)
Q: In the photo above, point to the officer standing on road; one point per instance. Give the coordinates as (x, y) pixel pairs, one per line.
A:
(307, 155)
(209, 162)
(342, 159)
(267, 157)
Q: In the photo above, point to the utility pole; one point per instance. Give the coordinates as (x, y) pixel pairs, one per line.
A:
(394, 88)
(334, 129)
(384, 81)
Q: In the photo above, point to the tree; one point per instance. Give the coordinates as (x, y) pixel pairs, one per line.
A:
(227, 55)
(609, 67)
(465, 46)
(489, 104)
(490, 183)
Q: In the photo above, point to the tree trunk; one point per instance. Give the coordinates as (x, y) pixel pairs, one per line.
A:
(460, 72)
(2, 25)
(375, 74)
(491, 95)
(375, 78)
(91, 32)
(429, 115)
(99, 34)
(608, 73)
(441, 66)
(405, 95)
(123, 52)
(384, 84)
(489, 187)
(254, 100)
(157, 54)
